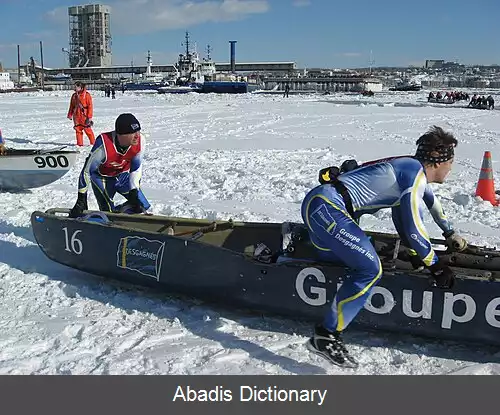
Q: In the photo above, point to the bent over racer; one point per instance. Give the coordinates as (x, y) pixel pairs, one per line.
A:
(399, 183)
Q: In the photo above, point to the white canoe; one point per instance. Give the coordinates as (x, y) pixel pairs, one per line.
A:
(22, 169)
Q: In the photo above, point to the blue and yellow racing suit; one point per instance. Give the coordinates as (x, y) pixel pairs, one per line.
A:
(398, 183)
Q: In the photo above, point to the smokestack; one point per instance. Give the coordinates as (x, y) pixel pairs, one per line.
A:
(41, 62)
(233, 61)
(18, 66)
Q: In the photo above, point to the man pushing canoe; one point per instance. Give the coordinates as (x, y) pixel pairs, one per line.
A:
(331, 212)
(114, 166)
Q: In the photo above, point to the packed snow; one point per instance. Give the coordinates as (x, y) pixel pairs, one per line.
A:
(249, 157)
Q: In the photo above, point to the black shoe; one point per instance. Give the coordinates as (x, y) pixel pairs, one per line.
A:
(330, 346)
(416, 263)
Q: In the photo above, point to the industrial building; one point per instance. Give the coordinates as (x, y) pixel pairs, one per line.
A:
(434, 63)
(89, 36)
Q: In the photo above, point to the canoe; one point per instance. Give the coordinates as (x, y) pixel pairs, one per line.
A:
(441, 101)
(22, 169)
(478, 107)
(271, 268)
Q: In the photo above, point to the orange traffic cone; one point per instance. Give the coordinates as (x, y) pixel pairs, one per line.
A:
(486, 186)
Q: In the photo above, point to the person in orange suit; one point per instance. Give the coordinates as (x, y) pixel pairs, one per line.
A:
(81, 110)
(3, 150)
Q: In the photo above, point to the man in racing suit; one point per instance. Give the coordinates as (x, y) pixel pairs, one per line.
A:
(331, 213)
(114, 166)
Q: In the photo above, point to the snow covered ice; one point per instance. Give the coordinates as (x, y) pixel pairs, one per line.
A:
(248, 157)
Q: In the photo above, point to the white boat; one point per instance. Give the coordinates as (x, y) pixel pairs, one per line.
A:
(5, 82)
(61, 76)
(22, 169)
(149, 81)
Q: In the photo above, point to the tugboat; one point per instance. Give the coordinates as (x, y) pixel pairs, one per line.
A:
(190, 72)
(197, 75)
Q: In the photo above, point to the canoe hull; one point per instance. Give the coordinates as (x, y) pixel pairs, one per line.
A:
(28, 169)
(403, 301)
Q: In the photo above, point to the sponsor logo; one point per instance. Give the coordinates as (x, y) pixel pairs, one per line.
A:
(351, 241)
(416, 238)
(141, 255)
(315, 295)
(116, 165)
(323, 218)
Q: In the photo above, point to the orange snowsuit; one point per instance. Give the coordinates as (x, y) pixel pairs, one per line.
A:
(2, 145)
(81, 109)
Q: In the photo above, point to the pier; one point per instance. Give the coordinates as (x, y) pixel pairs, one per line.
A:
(332, 84)
(96, 72)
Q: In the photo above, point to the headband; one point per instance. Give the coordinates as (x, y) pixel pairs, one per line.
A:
(432, 154)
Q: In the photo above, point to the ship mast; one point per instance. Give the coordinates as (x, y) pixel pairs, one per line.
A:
(209, 49)
(187, 43)
(149, 63)
(371, 61)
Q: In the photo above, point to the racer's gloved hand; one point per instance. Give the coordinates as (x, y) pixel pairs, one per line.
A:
(455, 242)
(328, 174)
(443, 275)
(80, 206)
(134, 202)
(3, 150)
